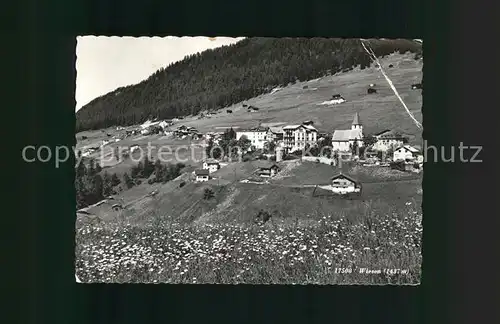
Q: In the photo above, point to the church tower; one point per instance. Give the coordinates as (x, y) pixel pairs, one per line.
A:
(356, 123)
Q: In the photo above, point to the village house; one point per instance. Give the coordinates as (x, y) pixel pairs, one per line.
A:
(211, 165)
(342, 140)
(296, 137)
(343, 184)
(256, 136)
(165, 123)
(386, 140)
(274, 134)
(267, 169)
(337, 99)
(148, 124)
(202, 175)
(407, 153)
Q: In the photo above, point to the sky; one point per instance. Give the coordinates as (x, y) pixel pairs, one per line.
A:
(106, 63)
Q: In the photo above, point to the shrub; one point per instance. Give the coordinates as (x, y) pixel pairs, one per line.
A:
(182, 184)
(208, 194)
(262, 217)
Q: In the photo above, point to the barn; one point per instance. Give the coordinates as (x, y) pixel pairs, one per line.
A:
(202, 175)
(343, 184)
(266, 169)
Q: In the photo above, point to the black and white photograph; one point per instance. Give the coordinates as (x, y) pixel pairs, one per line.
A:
(248, 160)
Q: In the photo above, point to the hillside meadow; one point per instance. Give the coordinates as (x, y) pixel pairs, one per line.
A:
(333, 251)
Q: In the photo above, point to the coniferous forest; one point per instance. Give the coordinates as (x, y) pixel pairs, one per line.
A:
(217, 78)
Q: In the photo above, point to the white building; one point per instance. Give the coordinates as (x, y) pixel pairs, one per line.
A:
(274, 134)
(148, 124)
(386, 140)
(202, 175)
(211, 165)
(342, 140)
(256, 136)
(407, 153)
(164, 124)
(296, 137)
(342, 184)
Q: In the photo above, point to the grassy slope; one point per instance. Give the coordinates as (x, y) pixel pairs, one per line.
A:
(289, 105)
(293, 104)
(235, 201)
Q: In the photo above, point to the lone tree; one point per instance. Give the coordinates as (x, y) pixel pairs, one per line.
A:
(129, 183)
(354, 147)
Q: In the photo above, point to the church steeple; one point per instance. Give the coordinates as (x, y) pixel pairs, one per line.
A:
(356, 122)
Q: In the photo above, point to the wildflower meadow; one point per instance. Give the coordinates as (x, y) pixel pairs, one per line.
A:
(333, 250)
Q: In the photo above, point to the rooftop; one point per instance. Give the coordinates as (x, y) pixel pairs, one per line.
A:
(409, 148)
(201, 172)
(262, 164)
(344, 176)
(356, 120)
(346, 135)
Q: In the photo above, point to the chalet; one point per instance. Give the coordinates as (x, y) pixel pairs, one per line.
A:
(274, 134)
(257, 136)
(342, 140)
(211, 165)
(407, 153)
(416, 86)
(202, 175)
(372, 85)
(371, 90)
(134, 148)
(337, 99)
(267, 169)
(296, 137)
(343, 184)
(148, 124)
(117, 207)
(387, 139)
(196, 136)
(252, 109)
(164, 124)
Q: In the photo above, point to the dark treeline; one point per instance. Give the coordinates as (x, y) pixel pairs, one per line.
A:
(92, 185)
(219, 77)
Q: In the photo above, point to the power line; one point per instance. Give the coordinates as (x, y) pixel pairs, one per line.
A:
(375, 59)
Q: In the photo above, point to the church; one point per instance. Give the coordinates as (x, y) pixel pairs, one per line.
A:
(343, 139)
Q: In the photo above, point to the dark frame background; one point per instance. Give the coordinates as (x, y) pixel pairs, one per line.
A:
(457, 217)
